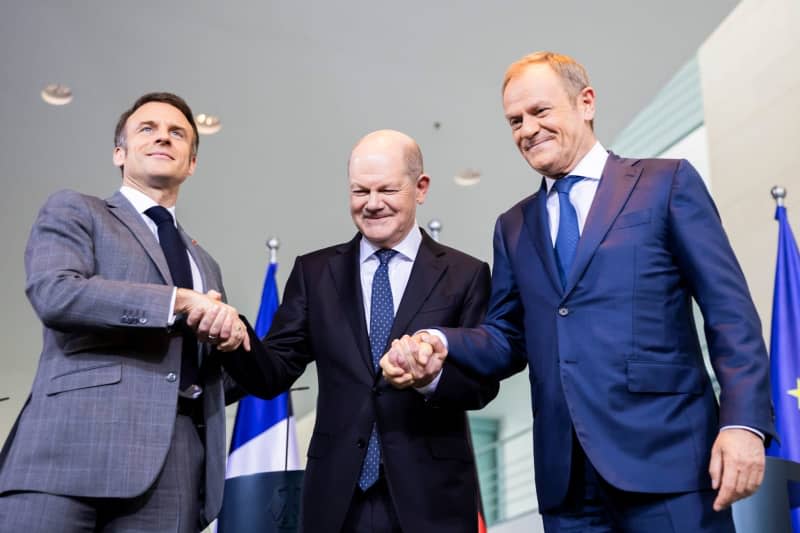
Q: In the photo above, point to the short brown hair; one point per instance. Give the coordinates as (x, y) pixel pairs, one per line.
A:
(167, 98)
(572, 73)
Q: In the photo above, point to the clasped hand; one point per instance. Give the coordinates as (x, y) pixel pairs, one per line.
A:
(212, 320)
(413, 360)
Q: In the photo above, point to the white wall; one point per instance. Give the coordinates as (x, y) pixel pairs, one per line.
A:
(751, 79)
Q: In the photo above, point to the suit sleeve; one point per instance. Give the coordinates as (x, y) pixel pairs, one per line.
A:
(62, 285)
(496, 347)
(459, 387)
(276, 362)
(233, 391)
(732, 327)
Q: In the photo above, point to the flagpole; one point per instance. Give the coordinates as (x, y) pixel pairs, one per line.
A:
(778, 193)
(435, 227)
(273, 244)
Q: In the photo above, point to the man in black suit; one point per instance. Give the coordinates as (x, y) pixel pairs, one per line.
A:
(381, 459)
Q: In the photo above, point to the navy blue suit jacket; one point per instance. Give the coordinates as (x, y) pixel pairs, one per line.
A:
(615, 356)
(427, 459)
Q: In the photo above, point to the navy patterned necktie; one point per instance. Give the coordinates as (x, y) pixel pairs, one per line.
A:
(381, 317)
(568, 233)
(178, 261)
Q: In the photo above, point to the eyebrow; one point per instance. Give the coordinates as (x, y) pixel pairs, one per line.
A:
(170, 127)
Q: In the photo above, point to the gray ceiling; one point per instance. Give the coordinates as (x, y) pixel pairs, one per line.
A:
(296, 83)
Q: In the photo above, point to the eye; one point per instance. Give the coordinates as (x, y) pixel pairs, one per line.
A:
(359, 192)
(542, 111)
(178, 134)
(146, 129)
(515, 123)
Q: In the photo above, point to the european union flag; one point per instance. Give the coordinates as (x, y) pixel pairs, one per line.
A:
(785, 354)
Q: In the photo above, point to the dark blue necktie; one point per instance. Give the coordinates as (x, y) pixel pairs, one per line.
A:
(568, 233)
(381, 317)
(178, 261)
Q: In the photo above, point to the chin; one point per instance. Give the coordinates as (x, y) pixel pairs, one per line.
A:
(377, 239)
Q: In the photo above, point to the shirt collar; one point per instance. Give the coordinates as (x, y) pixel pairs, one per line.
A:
(407, 248)
(141, 202)
(591, 166)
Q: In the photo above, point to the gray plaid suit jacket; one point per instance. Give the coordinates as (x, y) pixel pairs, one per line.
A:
(101, 412)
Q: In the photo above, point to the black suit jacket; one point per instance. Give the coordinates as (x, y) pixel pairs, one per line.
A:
(427, 459)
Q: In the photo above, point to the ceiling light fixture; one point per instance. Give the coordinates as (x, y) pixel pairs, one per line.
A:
(57, 94)
(207, 124)
(467, 177)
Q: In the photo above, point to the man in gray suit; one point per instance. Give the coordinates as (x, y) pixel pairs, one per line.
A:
(124, 429)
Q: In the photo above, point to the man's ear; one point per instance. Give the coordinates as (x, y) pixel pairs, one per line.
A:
(586, 101)
(422, 185)
(119, 156)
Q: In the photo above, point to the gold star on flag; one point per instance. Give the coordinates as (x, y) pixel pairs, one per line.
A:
(796, 393)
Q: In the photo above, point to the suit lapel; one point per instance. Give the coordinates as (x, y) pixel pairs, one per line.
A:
(536, 220)
(125, 213)
(425, 274)
(619, 179)
(346, 273)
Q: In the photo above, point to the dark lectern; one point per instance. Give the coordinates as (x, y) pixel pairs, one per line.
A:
(767, 511)
(268, 502)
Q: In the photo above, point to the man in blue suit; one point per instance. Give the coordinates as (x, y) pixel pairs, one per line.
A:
(592, 287)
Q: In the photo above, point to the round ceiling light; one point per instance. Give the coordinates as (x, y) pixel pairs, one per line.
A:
(207, 124)
(467, 177)
(56, 94)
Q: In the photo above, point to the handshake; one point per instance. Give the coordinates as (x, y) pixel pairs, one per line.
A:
(212, 320)
(414, 360)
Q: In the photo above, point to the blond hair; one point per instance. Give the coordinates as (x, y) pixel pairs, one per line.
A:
(572, 73)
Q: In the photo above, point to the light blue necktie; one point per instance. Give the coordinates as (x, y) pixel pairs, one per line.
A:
(568, 233)
(381, 317)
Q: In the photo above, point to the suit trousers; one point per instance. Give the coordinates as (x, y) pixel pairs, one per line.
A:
(372, 511)
(171, 505)
(592, 505)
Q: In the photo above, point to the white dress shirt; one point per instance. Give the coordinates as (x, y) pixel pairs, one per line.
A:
(141, 202)
(399, 268)
(582, 193)
(399, 272)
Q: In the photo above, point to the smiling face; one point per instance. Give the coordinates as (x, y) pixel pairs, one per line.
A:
(383, 193)
(551, 129)
(157, 152)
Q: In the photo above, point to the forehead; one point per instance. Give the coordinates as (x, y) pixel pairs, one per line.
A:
(158, 112)
(535, 82)
(377, 165)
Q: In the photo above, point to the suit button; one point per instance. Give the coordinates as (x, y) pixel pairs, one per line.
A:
(563, 311)
(143, 320)
(360, 443)
(172, 377)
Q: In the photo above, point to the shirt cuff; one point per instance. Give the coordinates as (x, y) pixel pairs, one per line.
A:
(171, 315)
(757, 432)
(439, 334)
(430, 388)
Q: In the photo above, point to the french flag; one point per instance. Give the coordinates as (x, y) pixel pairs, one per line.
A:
(263, 436)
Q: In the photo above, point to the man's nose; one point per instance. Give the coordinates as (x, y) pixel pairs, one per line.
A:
(530, 126)
(374, 201)
(162, 136)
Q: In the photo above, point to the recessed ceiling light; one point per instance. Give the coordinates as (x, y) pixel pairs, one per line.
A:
(467, 177)
(207, 124)
(56, 94)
